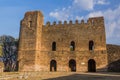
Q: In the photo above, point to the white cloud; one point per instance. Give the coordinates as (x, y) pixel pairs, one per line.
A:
(79, 18)
(110, 28)
(54, 14)
(84, 4)
(66, 12)
(102, 2)
(112, 17)
(88, 4)
(78, 5)
(60, 14)
(95, 14)
(112, 21)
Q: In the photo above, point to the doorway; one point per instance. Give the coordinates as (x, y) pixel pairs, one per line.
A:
(53, 65)
(91, 65)
(72, 65)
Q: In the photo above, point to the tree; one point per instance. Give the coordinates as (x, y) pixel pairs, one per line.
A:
(9, 51)
(1, 51)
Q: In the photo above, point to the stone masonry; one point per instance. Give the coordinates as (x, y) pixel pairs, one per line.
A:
(113, 53)
(67, 46)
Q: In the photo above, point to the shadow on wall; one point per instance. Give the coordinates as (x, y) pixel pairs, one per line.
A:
(113, 53)
(113, 58)
(114, 66)
(111, 67)
(87, 76)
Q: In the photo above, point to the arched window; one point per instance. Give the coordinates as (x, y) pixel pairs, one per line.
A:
(54, 46)
(91, 45)
(72, 46)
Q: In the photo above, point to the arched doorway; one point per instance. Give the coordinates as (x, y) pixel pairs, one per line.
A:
(91, 65)
(53, 65)
(72, 65)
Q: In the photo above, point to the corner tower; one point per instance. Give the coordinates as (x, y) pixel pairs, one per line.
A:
(29, 41)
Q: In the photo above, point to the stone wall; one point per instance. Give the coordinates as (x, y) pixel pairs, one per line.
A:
(113, 58)
(29, 42)
(35, 44)
(113, 53)
(80, 33)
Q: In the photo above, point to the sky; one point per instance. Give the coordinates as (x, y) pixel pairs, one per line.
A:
(12, 11)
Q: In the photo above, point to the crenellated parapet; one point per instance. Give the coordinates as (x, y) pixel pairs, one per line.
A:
(90, 21)
(30, 19)
(62, 23)
(95, 20)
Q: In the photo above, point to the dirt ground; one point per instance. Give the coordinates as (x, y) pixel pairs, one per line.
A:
(88, 76)
(60, 76)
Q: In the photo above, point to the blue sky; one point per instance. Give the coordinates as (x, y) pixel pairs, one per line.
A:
(12, 11)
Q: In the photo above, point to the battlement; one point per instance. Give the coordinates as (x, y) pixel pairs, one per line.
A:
(92, 21)
(31, 16)
(33, 13)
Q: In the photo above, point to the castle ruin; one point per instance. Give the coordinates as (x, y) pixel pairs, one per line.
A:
(79, 46)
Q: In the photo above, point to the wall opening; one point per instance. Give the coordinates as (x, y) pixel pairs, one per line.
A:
(91, 45)
(30, 23)
(91, 65)
(53, 65)
(72, 65)
(54, 46)
(72, 46)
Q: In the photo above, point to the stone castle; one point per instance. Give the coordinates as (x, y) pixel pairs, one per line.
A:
(78, 46)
